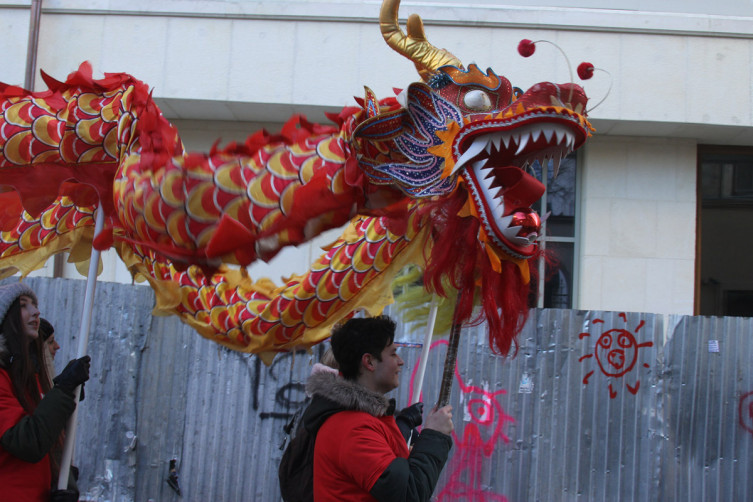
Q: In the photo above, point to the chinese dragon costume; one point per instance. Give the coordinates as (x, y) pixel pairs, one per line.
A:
(436, 176)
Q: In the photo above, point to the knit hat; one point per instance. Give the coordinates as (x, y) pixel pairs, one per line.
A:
(10, 292)
(45, 329)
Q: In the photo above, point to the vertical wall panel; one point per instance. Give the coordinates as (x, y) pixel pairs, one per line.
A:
(709, 409)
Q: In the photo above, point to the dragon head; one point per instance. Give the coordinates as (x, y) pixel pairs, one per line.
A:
(470, 131)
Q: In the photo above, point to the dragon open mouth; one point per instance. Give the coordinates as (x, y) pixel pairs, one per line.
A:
(495, 164)
(431, 142)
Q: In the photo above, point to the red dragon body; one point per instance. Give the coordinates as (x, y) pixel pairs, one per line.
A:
(435, 177)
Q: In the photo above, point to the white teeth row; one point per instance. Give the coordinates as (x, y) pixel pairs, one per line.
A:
(498, 207)
(511, 233)
(497, 204)
(503, 223)
(554, 134)
(543, 160)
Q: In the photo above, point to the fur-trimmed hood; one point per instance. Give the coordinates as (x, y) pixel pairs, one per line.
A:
(332, 394)
(348, 394)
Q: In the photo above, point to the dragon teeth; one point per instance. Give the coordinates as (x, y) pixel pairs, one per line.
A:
(554, 134)
(556, 161)
(523, 142)
(559, 135)
(479, 164)
(511, 232)
(496, 140)
(478, 145)
(498, 211)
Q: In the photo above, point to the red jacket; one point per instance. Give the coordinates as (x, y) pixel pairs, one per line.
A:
(353, 448)
(19, 481)
(360, 453)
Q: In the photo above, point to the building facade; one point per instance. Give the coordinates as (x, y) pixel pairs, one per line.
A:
(652, 215)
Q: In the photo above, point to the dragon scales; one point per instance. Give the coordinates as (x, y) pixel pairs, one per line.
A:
(435, 176)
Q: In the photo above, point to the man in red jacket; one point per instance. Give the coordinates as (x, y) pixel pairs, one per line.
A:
(360, 453)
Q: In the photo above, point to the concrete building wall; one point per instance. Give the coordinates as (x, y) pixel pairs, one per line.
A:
(638, 224)
(681, 74)
(237, 56)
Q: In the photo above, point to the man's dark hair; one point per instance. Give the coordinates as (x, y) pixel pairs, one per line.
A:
(45, 329)
(369, 335)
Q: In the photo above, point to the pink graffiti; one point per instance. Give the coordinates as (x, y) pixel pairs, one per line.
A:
(746, 411)
(481, 434)
(616, 353)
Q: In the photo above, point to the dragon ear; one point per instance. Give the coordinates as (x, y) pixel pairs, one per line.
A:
(371, 103)
(381, 128)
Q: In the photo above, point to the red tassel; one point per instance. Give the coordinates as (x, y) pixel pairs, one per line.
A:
(503, 296)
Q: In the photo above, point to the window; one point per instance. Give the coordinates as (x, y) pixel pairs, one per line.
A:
(738, 303)
(724, 284)
(555, 282)
(726, 177)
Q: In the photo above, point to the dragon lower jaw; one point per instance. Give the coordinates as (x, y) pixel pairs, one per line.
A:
(505, 213)
(494, 167)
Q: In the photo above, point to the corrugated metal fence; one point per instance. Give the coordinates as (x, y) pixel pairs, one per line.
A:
(595, 406)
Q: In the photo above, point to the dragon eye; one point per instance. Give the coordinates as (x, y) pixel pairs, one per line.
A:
(477, 100)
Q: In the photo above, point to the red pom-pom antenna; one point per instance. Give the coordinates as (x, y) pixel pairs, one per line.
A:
(585, 71)
(526, 48)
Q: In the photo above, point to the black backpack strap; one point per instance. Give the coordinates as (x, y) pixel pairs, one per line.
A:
(296, 470)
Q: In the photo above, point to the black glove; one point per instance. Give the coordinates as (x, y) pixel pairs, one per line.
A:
(73, 375)
(409, 418)
(64, 496)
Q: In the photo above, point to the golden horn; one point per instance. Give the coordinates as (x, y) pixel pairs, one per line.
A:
(414, 46)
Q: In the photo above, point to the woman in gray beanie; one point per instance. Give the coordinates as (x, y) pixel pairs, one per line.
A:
(33, 413)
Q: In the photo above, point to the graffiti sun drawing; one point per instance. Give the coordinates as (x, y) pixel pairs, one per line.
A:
(616, 353)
